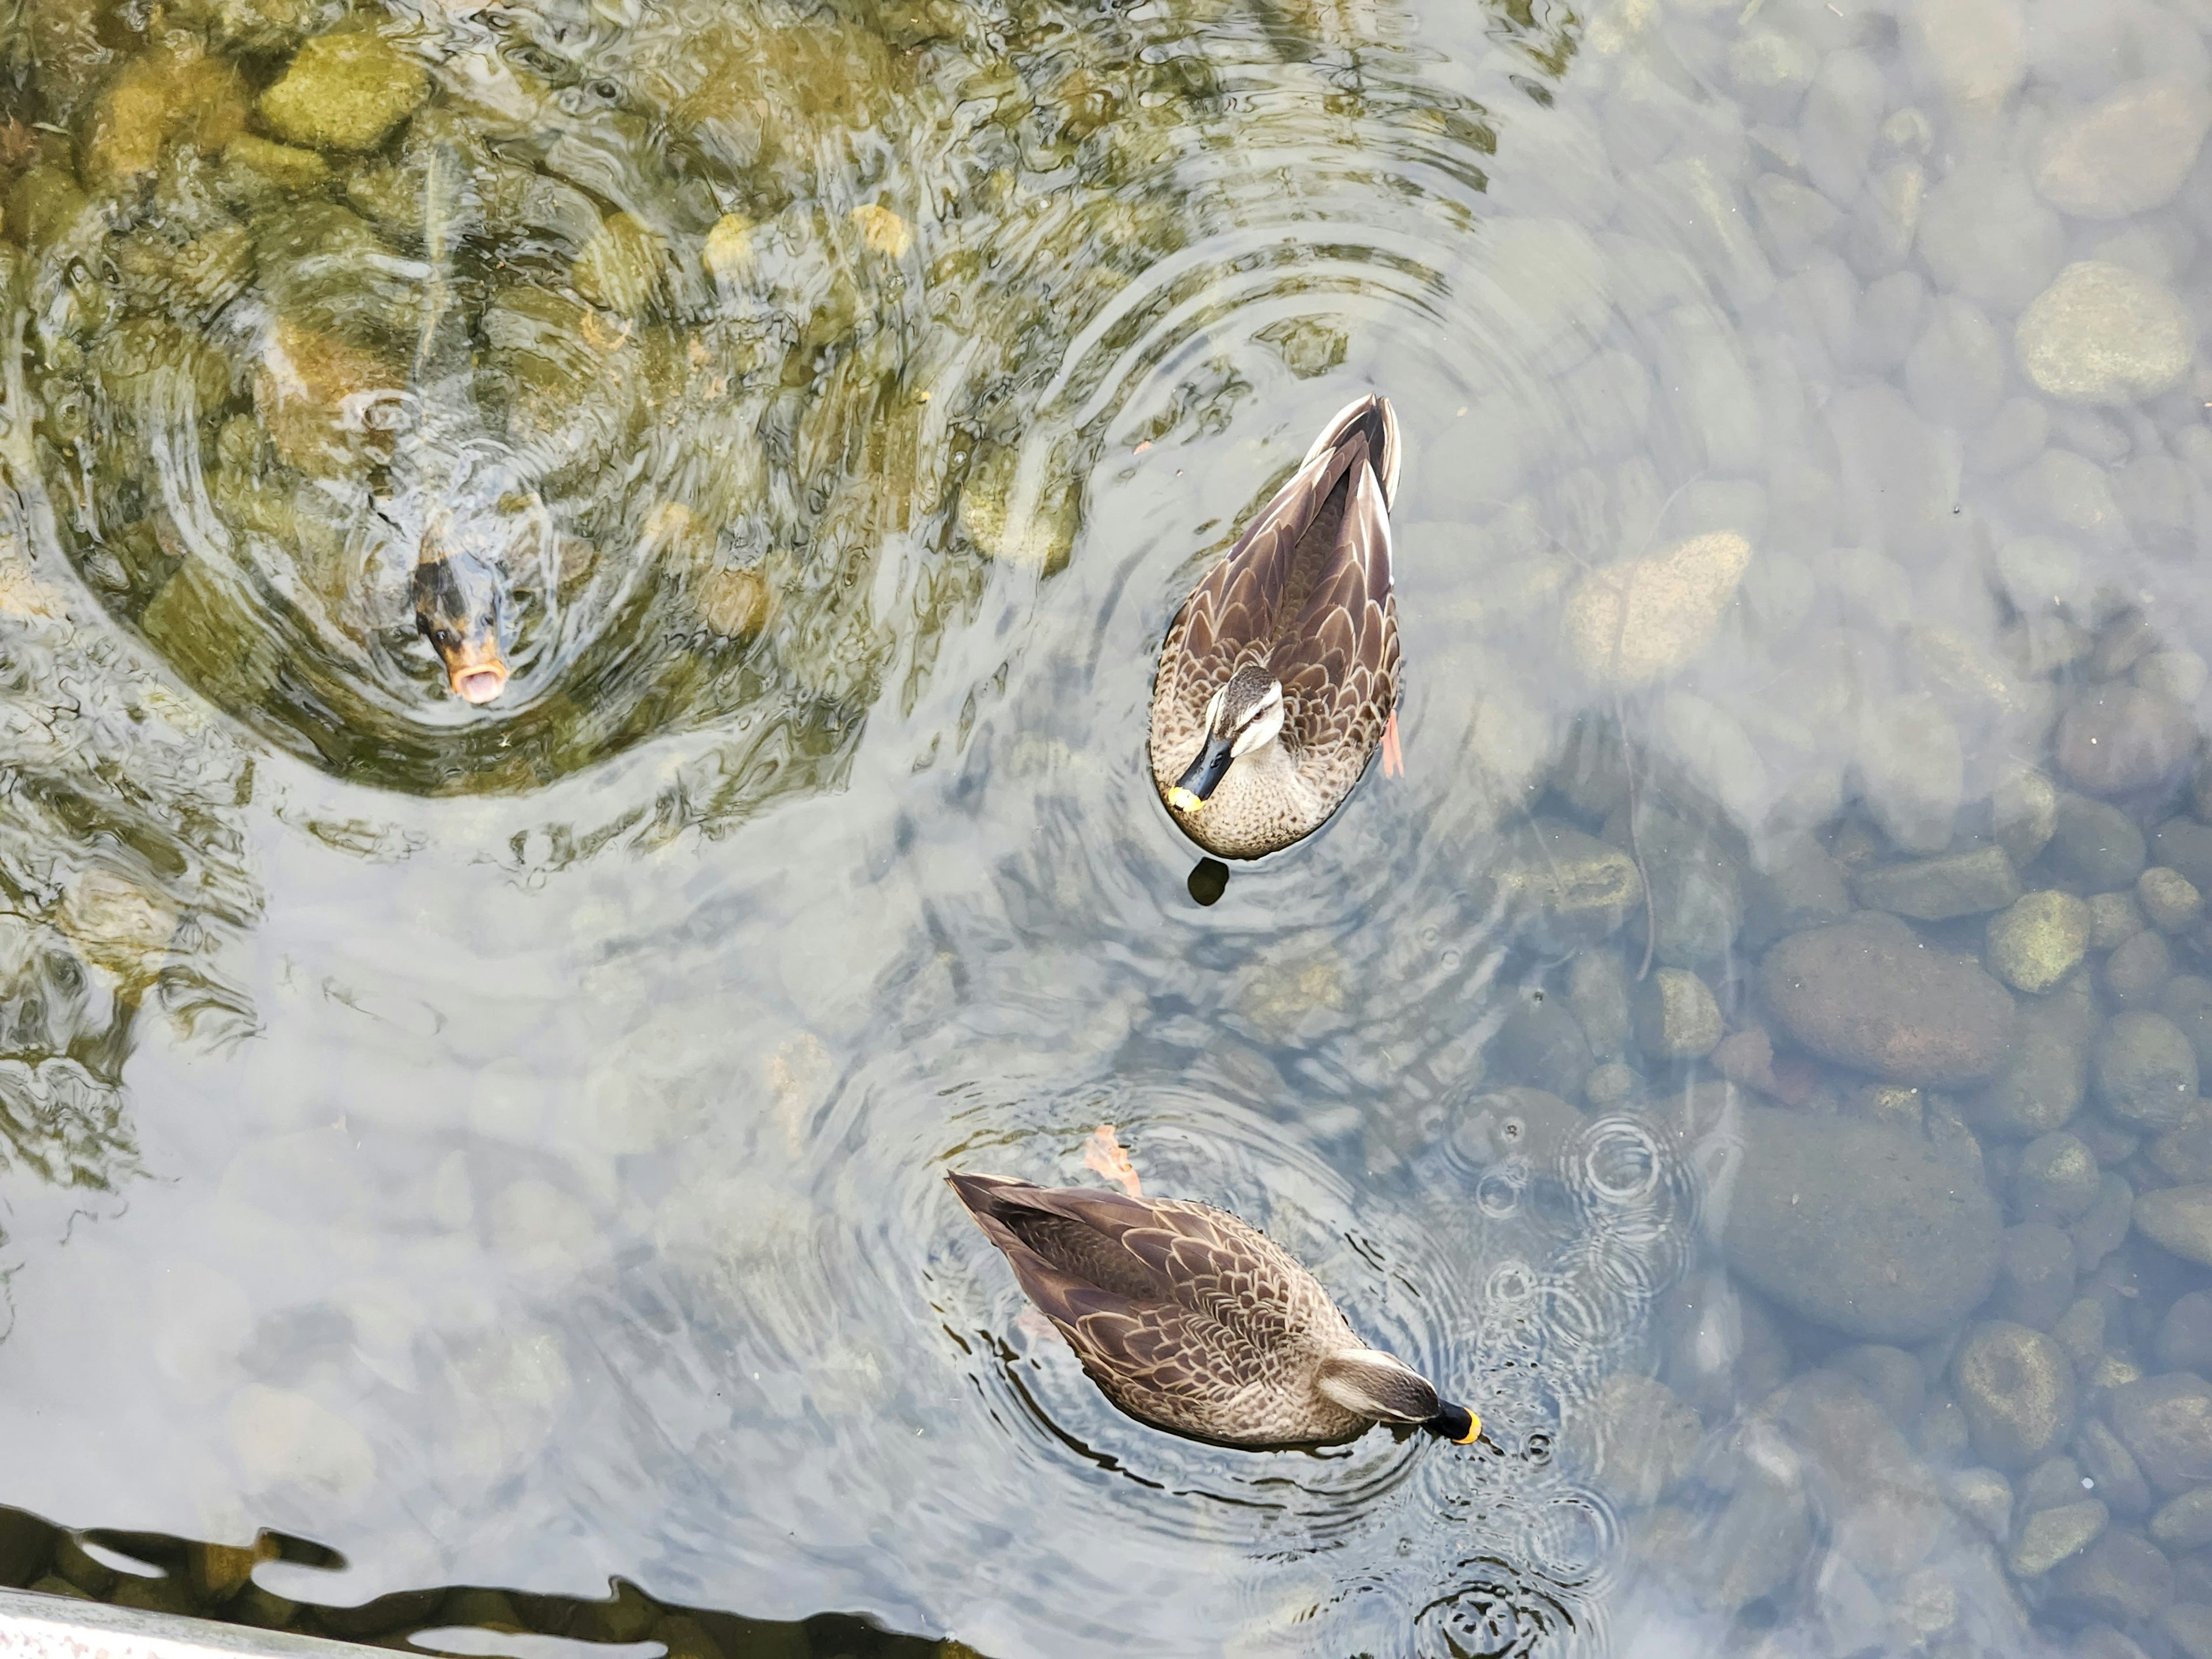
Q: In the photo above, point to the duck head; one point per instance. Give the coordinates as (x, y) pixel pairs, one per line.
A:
(1378, 1385)
(1244, 716)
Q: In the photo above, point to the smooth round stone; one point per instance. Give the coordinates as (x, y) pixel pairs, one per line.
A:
(1868, 994)
(2144, 1070)
(2096, 844)
(1636, 1438)
(2051, 1535)
(2114, 919)
(2016, 1387)
(2186, 1000)
(2184, 1523)
(2057, 1180)
(2122, 1576)
(2180, 675)
(1935, 890)
(1676, 1017)
(2023, 812)
(345, 91)
(1912, 767)
(1857, 1227)
(2127, 153)
(1956, 370)
(2185, 846)
(2038, 940)
(2102, 334)
(2120, 737)
(2167, 1422)
(1631, 623)
(2179, 1220)
(2035, 1275)
(2184, 1335)
(2138, 969)
(2170, 899)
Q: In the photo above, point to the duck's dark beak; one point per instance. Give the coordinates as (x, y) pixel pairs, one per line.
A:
(1457, 1425)
(1197, 785)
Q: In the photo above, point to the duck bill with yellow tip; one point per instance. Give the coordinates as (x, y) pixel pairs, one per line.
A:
(1204, 775)
(459, 605)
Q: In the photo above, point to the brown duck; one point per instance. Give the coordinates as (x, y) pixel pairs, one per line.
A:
(1195, 1322)
(1279, 677)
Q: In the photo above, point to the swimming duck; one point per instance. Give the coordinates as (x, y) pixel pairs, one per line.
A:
(1279, 677)
(1197, 1323)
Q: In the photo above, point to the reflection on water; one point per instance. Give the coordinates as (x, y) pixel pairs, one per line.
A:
(1754, 1055)
(153, 1573)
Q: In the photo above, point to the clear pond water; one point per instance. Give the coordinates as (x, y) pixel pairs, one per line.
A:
(1752, 1055)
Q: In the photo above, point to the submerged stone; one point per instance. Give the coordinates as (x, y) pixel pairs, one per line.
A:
(1937, 889)
(348, 90)
(2039, 941)
(2104, 334)
(1676, 1017)
(1912, 767)
(2096, 844)
(2167, 1422)
(2120, 737)
(1868, 994)
(2017, 1388)
(2050, 1536)
(2179, 1220)
(2144, 1070)
(1857, 1227)
(1562, 887)
(1631, 624)
(2127, 153)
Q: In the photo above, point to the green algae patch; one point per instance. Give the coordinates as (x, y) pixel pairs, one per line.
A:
(283, 166)
(175, 94)
(42, 205)
(348, 91)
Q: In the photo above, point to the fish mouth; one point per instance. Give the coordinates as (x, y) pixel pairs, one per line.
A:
(476, 672)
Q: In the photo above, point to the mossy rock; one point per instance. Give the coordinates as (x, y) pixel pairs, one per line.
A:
(189, 281)
(207, 632)
(310, 391)
(282, 167)
(348, 90)
(175, 94)
(43, 206)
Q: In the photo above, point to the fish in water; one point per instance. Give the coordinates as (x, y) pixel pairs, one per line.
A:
(1195, 1322)
(460, 605)
(1279, 677)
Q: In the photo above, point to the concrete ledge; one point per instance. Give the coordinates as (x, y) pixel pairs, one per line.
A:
(56, 1627)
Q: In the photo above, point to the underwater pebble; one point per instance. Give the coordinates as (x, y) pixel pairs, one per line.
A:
(2167, 1422)
(2024, 811)
(1937, 889)
(1912, 766)
(2121, 738)
(1858, 1228)
(2185, 845)
(2122, 1576)
(2102, 334)
(2138, 969)
(2170, 899)
(2127, 153)
(2103, 1227)
(1635, 1437)
(2050, 1536)
(2114, 919)
(2120, 1478)
(2184, 1522)
(1868, 994)
(2035, 1275)
(2040, 939)
(1597, 994)
(2057, 1178)
(2144, 1069)
(344, 91)
(728, 250)
(2178, 1219)
(1676, 1017)
(2178, 675)
(1976, 49)
(2184, 1335)
(2017, 1388)
(2096, 844)
(1985, 1497)
(1956, 370)
(2081, 1331)
(1562, 887)
(1631, 624)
